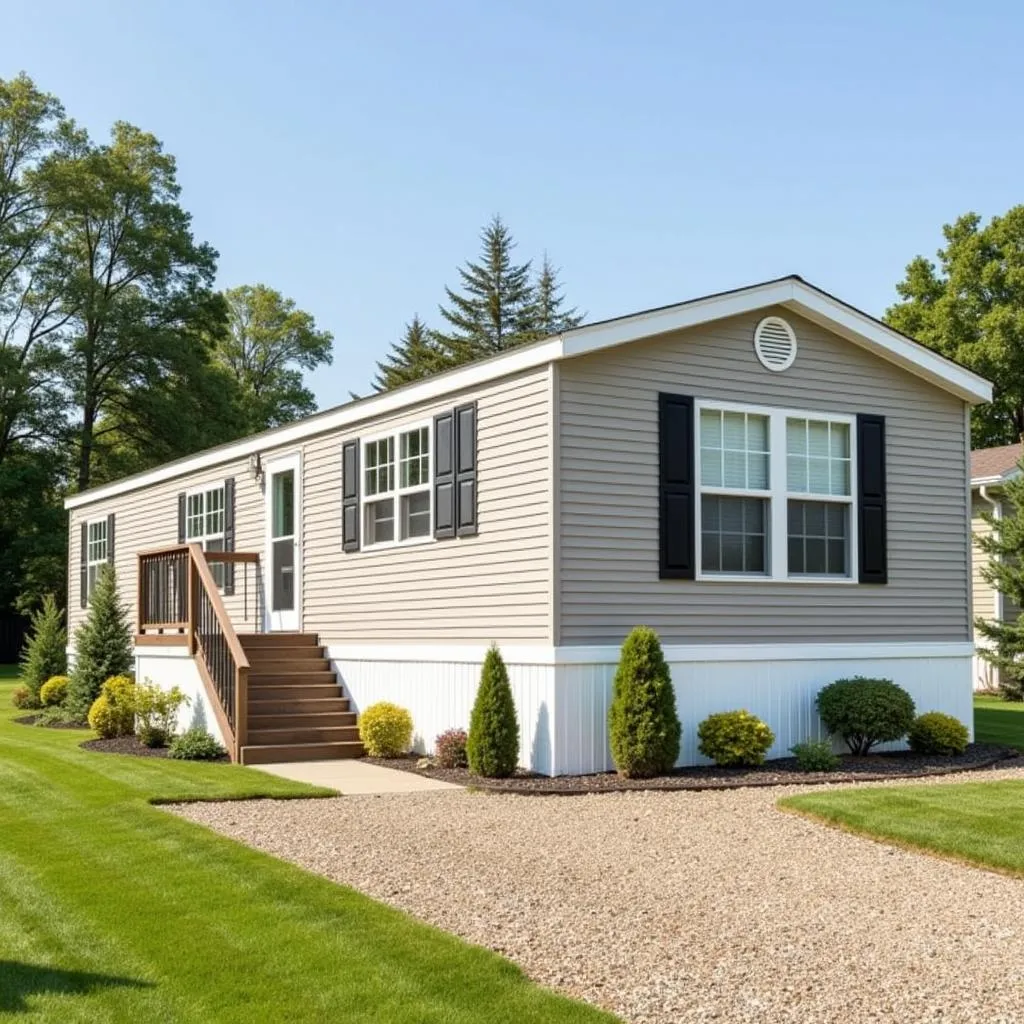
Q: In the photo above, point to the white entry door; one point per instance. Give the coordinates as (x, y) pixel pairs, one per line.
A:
(283, 549)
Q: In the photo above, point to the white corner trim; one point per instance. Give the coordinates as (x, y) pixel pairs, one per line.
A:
(605, 654)
(790, 292)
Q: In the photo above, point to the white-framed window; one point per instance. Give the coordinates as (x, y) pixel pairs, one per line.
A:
(97, 552)
(775, 493)
(204, 524)
(397, 488)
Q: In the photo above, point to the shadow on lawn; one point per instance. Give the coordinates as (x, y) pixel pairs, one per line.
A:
(18, 981)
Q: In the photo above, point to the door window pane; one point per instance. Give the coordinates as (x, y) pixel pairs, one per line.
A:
(283, 504)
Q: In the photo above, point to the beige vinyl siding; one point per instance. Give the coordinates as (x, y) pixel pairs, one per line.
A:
(608, 542)
(984, 593)
(494, 586)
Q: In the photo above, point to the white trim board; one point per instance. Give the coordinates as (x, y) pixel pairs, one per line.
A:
(791, 292)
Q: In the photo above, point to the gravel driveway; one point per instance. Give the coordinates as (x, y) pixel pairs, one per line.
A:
(675, 907)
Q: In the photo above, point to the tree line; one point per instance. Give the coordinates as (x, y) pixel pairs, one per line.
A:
(116, 351)
(501, 304)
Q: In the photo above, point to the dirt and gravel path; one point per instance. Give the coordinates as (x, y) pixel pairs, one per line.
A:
(675, 907)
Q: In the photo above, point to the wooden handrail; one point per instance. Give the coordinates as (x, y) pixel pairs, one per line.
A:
(207, 629)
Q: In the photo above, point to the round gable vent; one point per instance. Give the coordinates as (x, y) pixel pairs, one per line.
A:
(775, 343)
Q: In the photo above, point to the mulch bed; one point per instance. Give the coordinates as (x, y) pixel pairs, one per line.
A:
(131, 745)
(783, 772)
(34, 720)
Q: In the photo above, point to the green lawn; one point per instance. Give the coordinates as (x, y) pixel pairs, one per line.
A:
(113, 910)
(979, 822)
(999, 721)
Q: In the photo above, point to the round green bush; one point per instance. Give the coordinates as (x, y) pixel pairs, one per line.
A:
(815, 756)
(936, 733)
(643, 726)
(113, 712)
(734, 738)
(54, 691)
(865, 711)
(492, 744)
(195, 745)
(385, 729)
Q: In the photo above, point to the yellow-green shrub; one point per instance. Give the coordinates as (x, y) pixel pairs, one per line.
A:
(385, 729)
(113, 711)
(53, 691)
(936, 733)
(735, 738)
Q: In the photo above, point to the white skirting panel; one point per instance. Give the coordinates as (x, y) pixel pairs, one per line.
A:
(440, 693)
(174, 666)
(779, 685)
(562, 694)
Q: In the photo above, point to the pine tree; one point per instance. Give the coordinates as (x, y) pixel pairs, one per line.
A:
(547, 315)
(103, 644)
(416, 356)
(492, 747)
(495, 312)
(1004, 571)
(642, 722)
(45, 653)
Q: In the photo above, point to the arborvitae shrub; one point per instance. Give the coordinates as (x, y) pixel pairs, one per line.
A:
(492, 747)
(103, 644)
(642, 721)
(866, 711)
(45, 653)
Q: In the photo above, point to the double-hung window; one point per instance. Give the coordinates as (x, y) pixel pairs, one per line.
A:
(396, 487)
(96, 552)
(776, 493)
(204, 524)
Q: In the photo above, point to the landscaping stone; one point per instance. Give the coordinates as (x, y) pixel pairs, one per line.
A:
(677, 907)
(781, 772)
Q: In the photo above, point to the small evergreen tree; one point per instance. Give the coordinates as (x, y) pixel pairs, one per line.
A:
(546, 314)
(416, 356)
(45, 653)
(642, 722)
(492, 748)
(103, 644)
(1004, 571)
(495, 311)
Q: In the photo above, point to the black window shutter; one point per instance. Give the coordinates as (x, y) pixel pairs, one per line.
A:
(110, 538)
(444, 475)
(677, 493)
(350, 496)
(871, 511)
(181, 518)
(465, 470)
(83, 562)
(229, 534)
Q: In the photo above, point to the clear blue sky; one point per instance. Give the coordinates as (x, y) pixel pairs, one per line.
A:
(348, 153)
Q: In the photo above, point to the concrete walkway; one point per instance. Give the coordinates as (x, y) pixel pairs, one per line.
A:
(350, 776)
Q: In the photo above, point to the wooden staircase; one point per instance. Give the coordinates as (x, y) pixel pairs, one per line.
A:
(296, 711)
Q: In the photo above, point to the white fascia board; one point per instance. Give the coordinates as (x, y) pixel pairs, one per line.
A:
(473, 375)
(989, 481)
(582, 340)
(888, 344)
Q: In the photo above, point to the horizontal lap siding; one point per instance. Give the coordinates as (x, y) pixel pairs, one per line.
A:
(148, 518)
(494, 586)
(609, 494)
(984, 594)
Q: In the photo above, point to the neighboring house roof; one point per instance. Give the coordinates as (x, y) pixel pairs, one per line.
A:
(790, 292)
(991, 465)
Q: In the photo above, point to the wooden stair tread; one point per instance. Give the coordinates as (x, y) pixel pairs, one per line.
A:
(275, 753)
